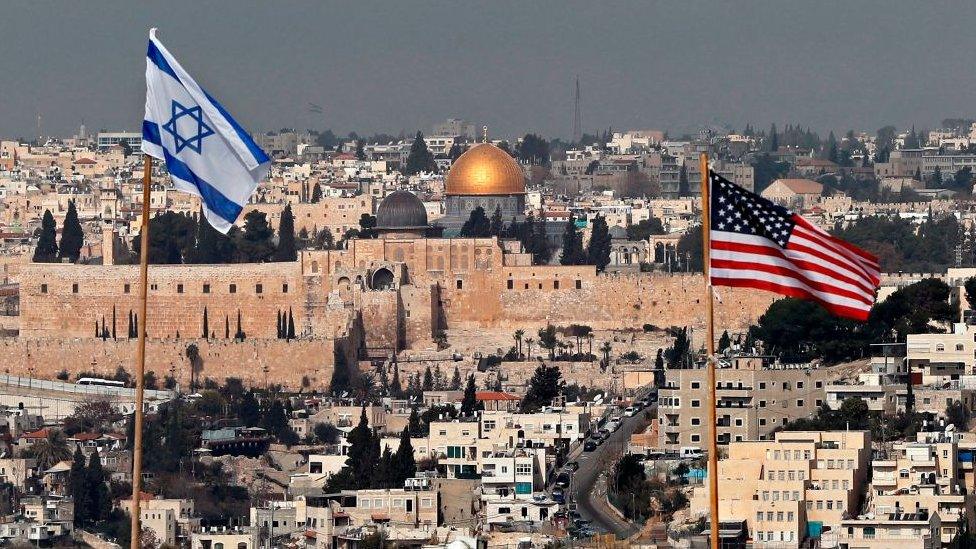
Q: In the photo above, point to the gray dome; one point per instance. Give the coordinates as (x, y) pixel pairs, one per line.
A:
(401, 210)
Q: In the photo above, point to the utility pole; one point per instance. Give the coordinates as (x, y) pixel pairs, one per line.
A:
(577, 119)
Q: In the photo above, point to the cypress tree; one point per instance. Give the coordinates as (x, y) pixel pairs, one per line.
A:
(497, 225)
(132, 330)
(420, 158)
(99, 499)
(362, 459)
(572, 253)
(240, 333)
(470, 401)
(280, 331)
(341, 376)
(291, 324)
(316, 193)
(77, 485)
(206, 324)
(428, 384)
(414, 424)
(47, 247)
(72, 235)
(226, 327)
(286, 250)
(113, 321)
(404, 463)
(456, 379)
(396, 390)
(598, 251)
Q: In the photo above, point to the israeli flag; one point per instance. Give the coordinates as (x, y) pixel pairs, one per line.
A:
(206, 151)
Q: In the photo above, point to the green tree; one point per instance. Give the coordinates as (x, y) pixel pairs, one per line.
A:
(689, 251)
(171, 238)
(957, 414)
(678, 355)
(497, 223)
(316, 193)
(99, 498)
(78, 488)
(404, 463)
(367, 226)
(255, 244)
(545, 385)
(326, 433)
(47, 246)
(969, 287)
(645, 229)
(572, 253)
(420, 158)
(549, 340)
(341, 374)
(50, 450)
(478, 225)
(72, 235)
(428, 384)
(724, 342)
(469, 403)
(456, 380)
(286, 250)
(362, 452)
(598, 250)
(533, 149)
(211, 246)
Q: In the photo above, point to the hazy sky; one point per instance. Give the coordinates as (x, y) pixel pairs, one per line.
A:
(405, 65)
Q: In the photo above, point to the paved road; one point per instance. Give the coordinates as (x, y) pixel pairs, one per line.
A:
(589, 483)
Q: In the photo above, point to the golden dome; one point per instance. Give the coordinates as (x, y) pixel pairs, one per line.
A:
(485, 170)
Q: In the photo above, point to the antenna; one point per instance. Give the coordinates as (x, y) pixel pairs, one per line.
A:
(577, 120)
(484, 134)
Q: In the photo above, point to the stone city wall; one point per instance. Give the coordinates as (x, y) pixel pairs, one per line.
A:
(286, 362)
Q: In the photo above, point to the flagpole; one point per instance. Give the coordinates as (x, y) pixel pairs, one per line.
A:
(710, 350)
(140, 354)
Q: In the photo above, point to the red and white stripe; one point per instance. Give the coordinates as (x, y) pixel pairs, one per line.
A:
(814, 265)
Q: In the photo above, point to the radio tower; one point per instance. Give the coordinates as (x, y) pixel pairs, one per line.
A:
(577, 121)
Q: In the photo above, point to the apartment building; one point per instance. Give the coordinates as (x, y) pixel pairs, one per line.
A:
(171, 520)
(792, 487)
(754, 397)
(549, 427)
(922, 477)
(889, 531)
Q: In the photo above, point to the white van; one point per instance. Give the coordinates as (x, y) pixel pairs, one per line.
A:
(690, 452)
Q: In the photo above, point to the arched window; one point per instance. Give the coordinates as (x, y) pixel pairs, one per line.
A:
(939, 347)
(382, 279)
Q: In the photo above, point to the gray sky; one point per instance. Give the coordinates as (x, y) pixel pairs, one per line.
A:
(405, 65)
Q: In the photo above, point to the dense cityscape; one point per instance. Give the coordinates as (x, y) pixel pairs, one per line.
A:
(755, 335)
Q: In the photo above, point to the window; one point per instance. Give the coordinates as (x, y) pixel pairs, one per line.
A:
(206, 288)
(695, 403)
(695, 385)
(459, 285)
(233, 288)
(555, 284)
(74, 288)
(179, 288)
(762, 403)
(579, 284)
(959, 346)
(127, 288)
(799, 384)
(738, 422)
(695, 438)
(284, 288)
(523, 487)
(696, 421)
(511, 284)
(258, 288)
(819, 384)
(762, 384)
(44, 288)
(799, 402)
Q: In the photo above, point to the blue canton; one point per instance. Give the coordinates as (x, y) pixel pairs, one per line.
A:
(736, 210)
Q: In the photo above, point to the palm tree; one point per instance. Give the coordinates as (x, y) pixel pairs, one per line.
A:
(528, 347)
(50, 450)
(518, 341)
(605, 349)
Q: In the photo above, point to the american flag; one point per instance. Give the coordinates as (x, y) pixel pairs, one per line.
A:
(758, 244)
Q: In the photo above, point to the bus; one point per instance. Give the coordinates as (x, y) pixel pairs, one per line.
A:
(100, 381)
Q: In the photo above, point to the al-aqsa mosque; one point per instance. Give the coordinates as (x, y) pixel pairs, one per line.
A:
(485, 176)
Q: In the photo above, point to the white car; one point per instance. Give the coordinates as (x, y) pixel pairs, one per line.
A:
(613, 424)
(631, 411)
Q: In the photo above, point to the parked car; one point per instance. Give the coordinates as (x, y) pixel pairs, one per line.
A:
(690, 452)
(631, 411)
(562, 480)
(590, 445)
(613, 425)
(572, 466)
(558, 496)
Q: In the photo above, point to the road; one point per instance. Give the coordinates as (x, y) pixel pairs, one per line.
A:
(588, 486)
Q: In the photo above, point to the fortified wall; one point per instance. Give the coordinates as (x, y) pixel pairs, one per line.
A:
(375, 298)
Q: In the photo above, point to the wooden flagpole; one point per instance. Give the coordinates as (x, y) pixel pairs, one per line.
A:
(141, 354)
(710, 350)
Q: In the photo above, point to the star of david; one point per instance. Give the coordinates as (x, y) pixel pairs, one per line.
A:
(194, 142)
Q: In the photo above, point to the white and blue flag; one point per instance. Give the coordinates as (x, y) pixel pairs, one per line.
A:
(207, 153)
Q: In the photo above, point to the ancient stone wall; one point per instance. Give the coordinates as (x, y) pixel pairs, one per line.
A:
(256, 361)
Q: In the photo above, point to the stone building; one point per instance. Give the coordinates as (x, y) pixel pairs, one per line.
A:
(755, 397)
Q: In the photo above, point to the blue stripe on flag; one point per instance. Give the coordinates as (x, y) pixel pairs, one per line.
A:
(259, 155)
(150, 133)
(216, 201)
(157, 58)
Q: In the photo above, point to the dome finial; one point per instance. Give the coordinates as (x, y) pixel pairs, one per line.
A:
(484, 130)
